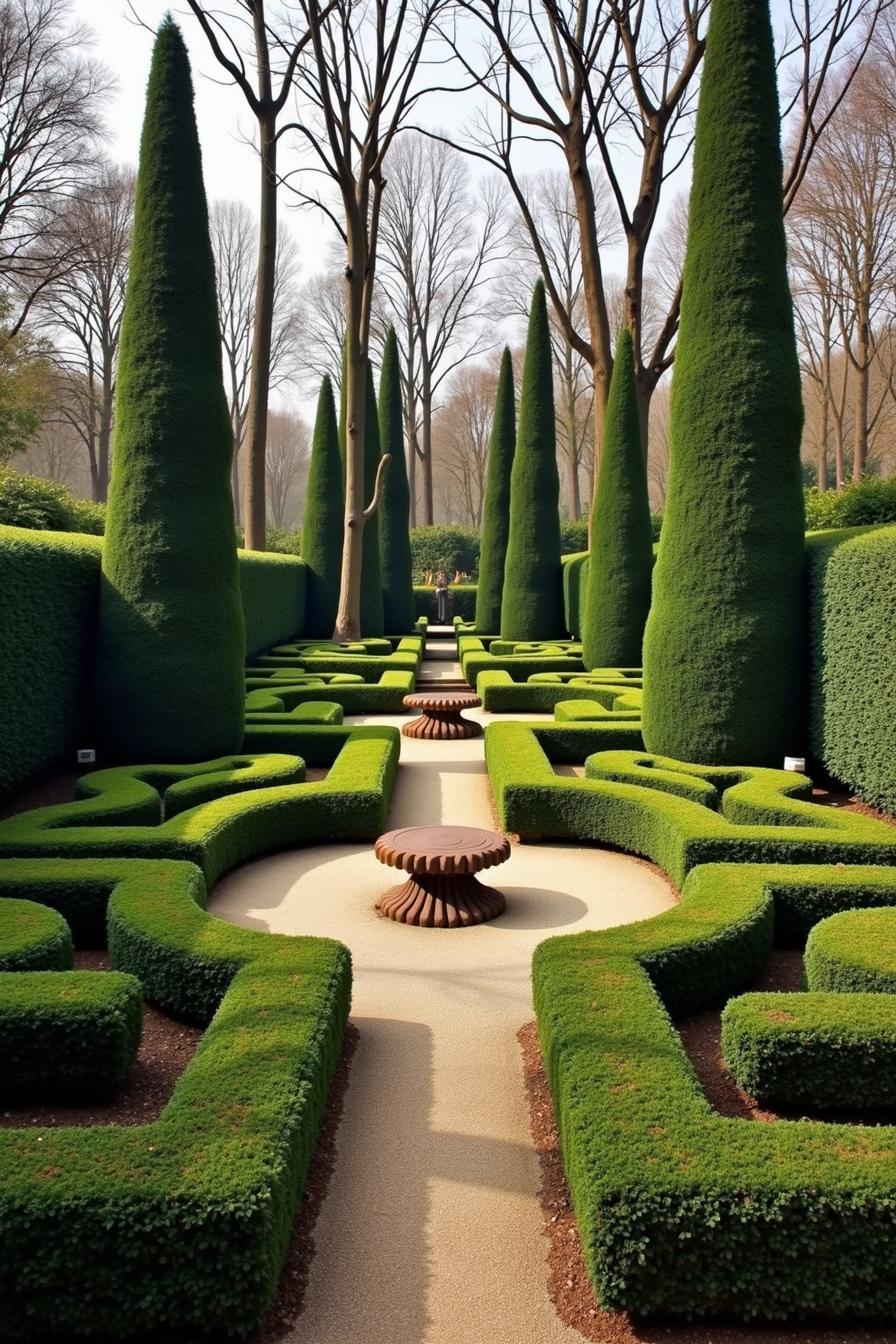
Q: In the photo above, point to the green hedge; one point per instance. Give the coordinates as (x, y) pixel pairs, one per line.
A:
(33, 938)
(574, 571)
(273, 592)
(818, 1050)
(852, 631)
(30, 501)
(49, 584)
(67, 1035)
(680, 1210)
(49, 591)
(461, 602)
(441, 547)
(871, 501)
(544, 690)
(182, 1225)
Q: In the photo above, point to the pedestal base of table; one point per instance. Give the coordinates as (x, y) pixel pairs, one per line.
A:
(441, 718)
(440, 901)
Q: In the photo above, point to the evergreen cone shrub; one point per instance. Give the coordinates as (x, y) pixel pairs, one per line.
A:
(324, 520)
(619, 569)
(722, 652)
(496, 505)
(169, 675)
(532, 600)
(394, 514)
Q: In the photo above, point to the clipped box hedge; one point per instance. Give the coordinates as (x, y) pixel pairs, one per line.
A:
(67, 1034)
(682, 1211)
(273, 592)
(461, 602)
(180, 1226)
(819, 1050)
(852, 628)
(49, 585)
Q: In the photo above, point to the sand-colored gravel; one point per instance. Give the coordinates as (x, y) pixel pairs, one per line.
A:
(431, 1231)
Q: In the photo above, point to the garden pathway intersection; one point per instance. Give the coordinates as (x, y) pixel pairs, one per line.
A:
(431, 1230)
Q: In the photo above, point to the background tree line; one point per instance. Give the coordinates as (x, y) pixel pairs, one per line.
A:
(447, 229)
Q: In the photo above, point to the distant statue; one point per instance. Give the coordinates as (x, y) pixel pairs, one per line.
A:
(442, 597)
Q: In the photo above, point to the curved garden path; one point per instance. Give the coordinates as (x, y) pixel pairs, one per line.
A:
(431, 1229)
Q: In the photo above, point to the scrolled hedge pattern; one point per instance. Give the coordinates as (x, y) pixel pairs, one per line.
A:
(182, 1224)
(681, 1210)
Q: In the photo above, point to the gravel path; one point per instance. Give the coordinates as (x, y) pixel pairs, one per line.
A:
(431, 1232)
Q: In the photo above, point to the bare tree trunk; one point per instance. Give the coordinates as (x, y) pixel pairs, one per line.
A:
(862, 373)
(260, 375)
(822, 451)
(104, 437)
(348, 622)
(237, 428)
(572, 442)
(426, 409)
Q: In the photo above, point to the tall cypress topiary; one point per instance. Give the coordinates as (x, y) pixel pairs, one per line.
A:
(171, 642)
(617, 597)
(532, 604)
(324, 519)
(722, 657)
(371, 571)
(393, 515)
(496, 505)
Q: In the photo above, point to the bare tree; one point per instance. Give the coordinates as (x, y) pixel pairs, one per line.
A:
(82, 309)
(52, 96)
(845, 253)
(354, 92)
(602, 82)
(439, 242)
(234, 235)
(286, 466)
(275, 55)
(322, 331)
(463, 427)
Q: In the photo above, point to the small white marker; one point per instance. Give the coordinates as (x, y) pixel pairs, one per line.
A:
(86, 756)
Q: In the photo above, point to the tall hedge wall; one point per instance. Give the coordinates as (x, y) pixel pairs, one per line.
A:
(272, 587)
(852, 632)
(49, 594)
(49, 584)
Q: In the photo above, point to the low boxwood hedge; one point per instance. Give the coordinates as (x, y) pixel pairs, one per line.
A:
(817, 1050)
(681, 1210)
(542, 691)
(182, 1225)
(461, 602)
(67, 1034)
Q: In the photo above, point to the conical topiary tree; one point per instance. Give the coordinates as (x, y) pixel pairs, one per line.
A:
(722, 648)
(371, 571)
(394, 511)
(324, 519)
(532, 604)
(496, 505)
(617, 595)
(169, 676)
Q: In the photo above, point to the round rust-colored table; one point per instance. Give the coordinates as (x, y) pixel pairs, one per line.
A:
(442, 891)
(441, 716)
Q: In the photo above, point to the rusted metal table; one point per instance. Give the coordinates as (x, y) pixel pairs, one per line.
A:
(440, 716)
(442, 891)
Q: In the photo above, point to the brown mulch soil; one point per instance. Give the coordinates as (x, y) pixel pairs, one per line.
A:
(831, 795)
(568, 1282)
(166, 1048)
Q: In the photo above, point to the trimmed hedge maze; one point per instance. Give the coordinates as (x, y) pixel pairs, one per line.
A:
(612, 691)
(682, 1211)
(370, 677)
(181, 1224)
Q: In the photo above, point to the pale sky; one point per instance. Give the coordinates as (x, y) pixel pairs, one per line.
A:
(230, 164)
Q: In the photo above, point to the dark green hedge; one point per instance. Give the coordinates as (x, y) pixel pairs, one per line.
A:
(49, 584)
(181, 1226)
(819, 1050)
(871, 501)
(33, 938)
(273, 593)
(67, 1034)
(852, 628)
(30, 501)
(443, 547)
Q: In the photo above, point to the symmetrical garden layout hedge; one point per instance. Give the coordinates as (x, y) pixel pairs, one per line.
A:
(366, 678)
(680, 1209)
(182, 1223)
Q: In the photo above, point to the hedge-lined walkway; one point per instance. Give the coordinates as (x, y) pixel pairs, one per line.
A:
(431, 1231)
